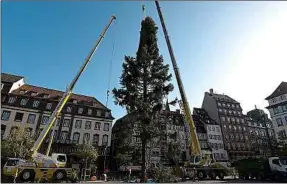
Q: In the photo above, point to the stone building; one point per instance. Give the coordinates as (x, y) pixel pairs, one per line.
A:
(214, 135)
(84, 120)
(278, 110)
(227, 112)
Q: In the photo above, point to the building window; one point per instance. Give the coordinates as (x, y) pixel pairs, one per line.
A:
(222, 118)
(219, 104)
(220, 110)
(224, 126)
(23, 101)
(209, 128)
(66, 123)
(76, 138)
(96, 139)
(31, 118)
(237, 106)
(49, 106)
(19, 116)
(78, 124)
(276, 110)
(228, 105)
(34, 94)
(279, 121)
(217, 129)
(107, 114)
(86, 138)
(219, 137)
(64, 136)
(106, 127)
(284, 108)
(58, 122)
(11, 100)
(97, 126)
(98, 113)
(282, 134)
(228, 119)
(232, 119)
(36, 103)
(5, 115)
(75, 101)
(88, 125)
(45, 120)
(225, 111)
(105, 140)
(69, 109)
(233, 106)
(46, 96)
(223, 104)
(242, 120)
(80, 111)
(90, 111)
(274, 100)
(210, 136)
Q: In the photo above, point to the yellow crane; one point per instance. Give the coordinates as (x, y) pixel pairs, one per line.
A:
(44, 166)
(200, 163)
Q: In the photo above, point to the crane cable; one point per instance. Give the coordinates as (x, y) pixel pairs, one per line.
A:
(111, 64)
(143, 10)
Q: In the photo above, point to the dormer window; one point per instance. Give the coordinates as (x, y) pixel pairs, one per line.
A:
(98, 113)
(22, 92)
(34, 94)
(46, 96)
(90, 111)
(75, 101)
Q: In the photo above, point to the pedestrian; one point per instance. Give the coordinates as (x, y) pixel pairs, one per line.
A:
(105, 176)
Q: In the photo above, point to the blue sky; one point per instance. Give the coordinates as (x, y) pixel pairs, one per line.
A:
(228, 46)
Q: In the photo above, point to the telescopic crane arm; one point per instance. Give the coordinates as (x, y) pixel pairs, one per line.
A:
(68, 92)
(195, 146)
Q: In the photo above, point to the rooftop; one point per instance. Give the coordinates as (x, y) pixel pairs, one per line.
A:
(9, 78)
(27, 90)
(280, 90)
(221, 97)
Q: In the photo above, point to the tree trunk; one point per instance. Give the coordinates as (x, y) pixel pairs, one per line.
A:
(143, 171)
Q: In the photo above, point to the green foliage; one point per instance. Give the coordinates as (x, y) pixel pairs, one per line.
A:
(164, 175)
(174, 152)
(144, 84)
(18, 144)
(86, 151)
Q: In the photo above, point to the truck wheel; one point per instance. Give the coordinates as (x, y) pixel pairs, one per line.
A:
(212, 176)
(200, 175)
(59, 175)
(27, 175)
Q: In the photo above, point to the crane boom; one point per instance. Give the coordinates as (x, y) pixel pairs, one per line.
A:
(68, 93)
(195, 146)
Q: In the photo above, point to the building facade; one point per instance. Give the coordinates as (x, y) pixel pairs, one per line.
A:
(278, 110)
(261, 133)
(227, 112)
(84, 120)
(214, 135)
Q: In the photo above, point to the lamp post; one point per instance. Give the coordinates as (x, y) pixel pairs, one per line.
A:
(105, 158)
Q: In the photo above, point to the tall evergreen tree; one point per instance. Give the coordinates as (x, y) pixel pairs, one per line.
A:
(144, 84)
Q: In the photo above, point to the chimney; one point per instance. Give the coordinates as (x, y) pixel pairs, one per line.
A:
(255, 107)
(211, 91)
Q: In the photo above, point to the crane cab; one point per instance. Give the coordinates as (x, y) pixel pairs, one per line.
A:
(60, 159)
